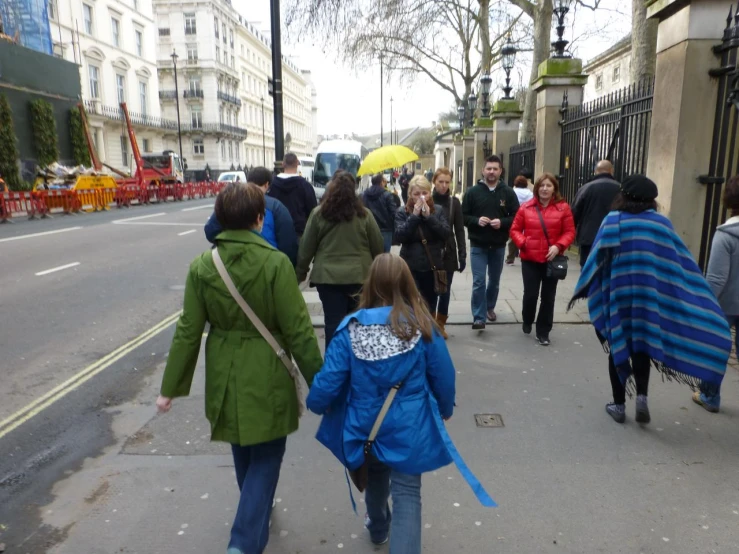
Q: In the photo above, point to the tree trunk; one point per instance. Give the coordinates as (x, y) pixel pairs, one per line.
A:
(483, 16)
(542, 39)
(643, 42)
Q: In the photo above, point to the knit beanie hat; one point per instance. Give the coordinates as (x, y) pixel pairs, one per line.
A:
(639, 187)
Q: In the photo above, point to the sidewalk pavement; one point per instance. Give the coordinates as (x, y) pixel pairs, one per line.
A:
(510, 297)
(567, 478)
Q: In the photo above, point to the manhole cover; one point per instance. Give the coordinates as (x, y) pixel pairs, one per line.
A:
(489, 420)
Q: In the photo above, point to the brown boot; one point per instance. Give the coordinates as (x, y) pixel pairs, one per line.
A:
(441, 322)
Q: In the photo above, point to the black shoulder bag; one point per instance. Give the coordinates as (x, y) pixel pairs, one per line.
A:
(557, 268)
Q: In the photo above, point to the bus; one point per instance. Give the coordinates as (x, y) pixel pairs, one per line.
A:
(338, 154)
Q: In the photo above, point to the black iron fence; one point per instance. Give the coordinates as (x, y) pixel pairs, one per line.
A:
(614, 127)
(724, 147)
(522, 157)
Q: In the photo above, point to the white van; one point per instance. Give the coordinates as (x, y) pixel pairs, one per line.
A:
(231, 176)
(305, 168)
(338, 154)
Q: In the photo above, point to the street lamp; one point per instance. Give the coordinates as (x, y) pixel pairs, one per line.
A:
(460, 115)
(391, 120)
(509, 58)
(381, 106)
(174, 57)
(487, 148)
(264, 143)
(561, 8)
(472, 103)
(485, 82)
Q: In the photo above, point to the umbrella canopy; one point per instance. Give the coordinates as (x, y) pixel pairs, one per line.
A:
(387, 157)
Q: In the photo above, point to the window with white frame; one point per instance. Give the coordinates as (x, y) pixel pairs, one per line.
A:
(230, 150)
(191, 27)
(215, 20)
(231, 36)
(617, 74)
(225, 37)
(136, 5)
(124, 150)
(115, 28)
(147, 145)
(196, 117)
(87, 17)
(599, 81)
(237, 150)
(93, 73)
(139, 43)
(52, 9)
(218, 53)
(192, 53)
(233, 62)
(195, 85)
(223, 149)
(120, 85)
(198, 147)
(142, 96)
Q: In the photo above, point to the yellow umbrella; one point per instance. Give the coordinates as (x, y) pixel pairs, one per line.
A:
(386, 157)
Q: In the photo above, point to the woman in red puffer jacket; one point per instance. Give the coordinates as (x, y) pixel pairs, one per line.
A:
(537, 250)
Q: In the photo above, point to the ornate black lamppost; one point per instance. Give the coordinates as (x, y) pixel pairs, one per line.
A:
(461, 116)
(509, 58)
(561, 8)
(472, 103)
(487, 148)
(485, 82)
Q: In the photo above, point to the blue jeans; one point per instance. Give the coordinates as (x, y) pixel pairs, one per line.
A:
(490, 261)
(406, 517)
(257, 472)
(711, 394)
(387, 236)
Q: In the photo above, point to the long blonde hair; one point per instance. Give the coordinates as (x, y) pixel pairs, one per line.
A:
(390, 283)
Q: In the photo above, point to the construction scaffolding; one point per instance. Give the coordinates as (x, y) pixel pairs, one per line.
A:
(27, 23)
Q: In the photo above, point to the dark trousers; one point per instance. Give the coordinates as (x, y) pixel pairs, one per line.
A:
(444, 299)
(425, 283)
(584, 253)
(535, 280)
(640, 364)
(338, 302)
(257, 472)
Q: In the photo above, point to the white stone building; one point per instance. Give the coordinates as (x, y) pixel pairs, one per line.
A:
(609, 71)
(114, 43)
(223, 67)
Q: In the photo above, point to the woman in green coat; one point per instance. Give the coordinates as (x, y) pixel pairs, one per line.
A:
(341, 239)
(250, 398)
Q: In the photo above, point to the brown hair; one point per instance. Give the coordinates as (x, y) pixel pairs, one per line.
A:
(390, 283)
(419, 181)
(239, 205)
(290, 160)
(439, 172)
(521, 182)
(731, 195)
(556, 197)
(341, 203)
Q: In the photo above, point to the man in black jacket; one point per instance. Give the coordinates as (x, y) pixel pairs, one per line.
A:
(382, 205)
(489, 208)
(294, 192)
(591, 206)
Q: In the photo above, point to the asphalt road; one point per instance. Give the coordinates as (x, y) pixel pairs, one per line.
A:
(73, 290)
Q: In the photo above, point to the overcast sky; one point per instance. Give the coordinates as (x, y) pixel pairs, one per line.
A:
(349, 100)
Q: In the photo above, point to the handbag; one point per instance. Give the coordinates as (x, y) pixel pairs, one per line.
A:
(360, 476)
(300, 385)
(441, 279)
(556, 268)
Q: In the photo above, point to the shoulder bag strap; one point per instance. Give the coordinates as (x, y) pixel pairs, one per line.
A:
(266, 335)
(543, 225)
(426, 247)
(383, 412)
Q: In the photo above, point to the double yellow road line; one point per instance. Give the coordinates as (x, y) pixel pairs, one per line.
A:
(40, 404)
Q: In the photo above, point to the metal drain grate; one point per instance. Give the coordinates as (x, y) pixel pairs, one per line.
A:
(489, 420)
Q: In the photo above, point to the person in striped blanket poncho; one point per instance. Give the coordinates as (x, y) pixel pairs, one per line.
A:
(649, 302)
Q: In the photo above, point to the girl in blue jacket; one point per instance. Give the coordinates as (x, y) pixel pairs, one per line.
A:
(391, 340)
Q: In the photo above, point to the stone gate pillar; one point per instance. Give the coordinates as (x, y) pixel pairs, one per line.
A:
(685, 97)
(506, 118)
(557, 76)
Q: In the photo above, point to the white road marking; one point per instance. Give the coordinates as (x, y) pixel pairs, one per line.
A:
(162, 224)
(198, 208)
(40, 234)
(55, 269)
(138, 217)
(186, 232)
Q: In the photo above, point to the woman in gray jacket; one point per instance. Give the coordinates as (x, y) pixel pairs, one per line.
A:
(723, 276)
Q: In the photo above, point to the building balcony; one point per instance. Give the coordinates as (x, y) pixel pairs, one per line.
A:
(228, 98)
(220, 129)
(193, 94)
(167, 95)
(114, 113)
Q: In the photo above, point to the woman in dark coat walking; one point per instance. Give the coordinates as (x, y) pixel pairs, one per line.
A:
(455, 253)
(421, 219)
